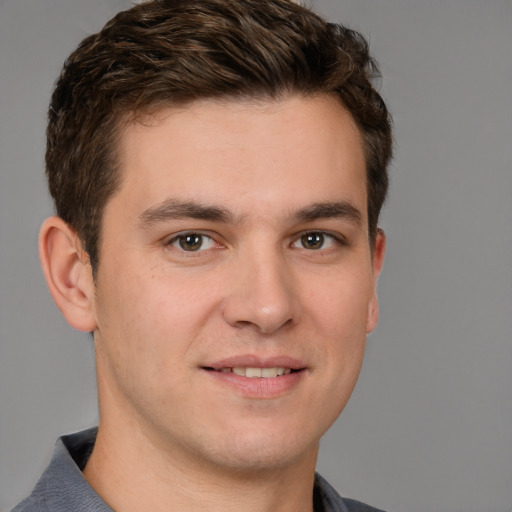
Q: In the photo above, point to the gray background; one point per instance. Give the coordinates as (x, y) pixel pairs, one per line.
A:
(429, 427)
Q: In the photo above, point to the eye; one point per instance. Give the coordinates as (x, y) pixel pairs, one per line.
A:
(192, 242)
(315, 240)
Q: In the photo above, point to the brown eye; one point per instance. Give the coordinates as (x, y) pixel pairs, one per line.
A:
(312, 241)
(318, 241)
(192, 242)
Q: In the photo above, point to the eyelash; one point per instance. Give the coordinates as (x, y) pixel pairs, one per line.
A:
(337, 239)
(182, 236)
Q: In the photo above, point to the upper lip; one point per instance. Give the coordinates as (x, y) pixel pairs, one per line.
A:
(254, 361)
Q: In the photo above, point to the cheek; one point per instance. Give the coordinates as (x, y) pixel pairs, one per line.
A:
(154, 315)
(339, 308)
(143, 338)
(339, 304)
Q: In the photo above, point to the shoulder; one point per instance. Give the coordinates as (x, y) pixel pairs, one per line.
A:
(357, 506)
(330, 501)
(31, 504)
(62, 487)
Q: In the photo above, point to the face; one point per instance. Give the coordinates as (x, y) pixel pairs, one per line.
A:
(236, 284)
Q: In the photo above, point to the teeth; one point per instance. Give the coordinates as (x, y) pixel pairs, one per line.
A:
(251, 372)
(269, 372)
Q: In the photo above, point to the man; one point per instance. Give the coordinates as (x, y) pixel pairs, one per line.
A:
(218, 169)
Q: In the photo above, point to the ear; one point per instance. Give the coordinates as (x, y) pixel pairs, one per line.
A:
(377, 262)
(68, 273)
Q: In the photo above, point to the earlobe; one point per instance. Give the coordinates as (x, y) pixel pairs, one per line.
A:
(377, 262)
(68, 273)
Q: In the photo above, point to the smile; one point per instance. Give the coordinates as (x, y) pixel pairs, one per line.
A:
(258, 377)
(252, 372)
(255, 378)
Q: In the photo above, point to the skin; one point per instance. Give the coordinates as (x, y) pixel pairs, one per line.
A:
(172, 432)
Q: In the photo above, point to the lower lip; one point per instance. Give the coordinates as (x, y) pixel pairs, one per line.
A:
(258, 387)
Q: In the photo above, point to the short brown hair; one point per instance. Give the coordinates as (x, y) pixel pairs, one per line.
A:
(172, 52)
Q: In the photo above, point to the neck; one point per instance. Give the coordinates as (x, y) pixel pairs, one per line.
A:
(132, 473)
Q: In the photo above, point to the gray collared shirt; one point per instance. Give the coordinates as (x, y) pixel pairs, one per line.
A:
(63, 488)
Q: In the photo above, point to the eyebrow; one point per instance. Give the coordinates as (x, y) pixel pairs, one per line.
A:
(172, 209)
(331, 210)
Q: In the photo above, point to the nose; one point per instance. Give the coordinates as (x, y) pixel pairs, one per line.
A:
(261, 293)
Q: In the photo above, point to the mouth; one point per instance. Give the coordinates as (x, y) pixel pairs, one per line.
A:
(258, 378)
(255, 372)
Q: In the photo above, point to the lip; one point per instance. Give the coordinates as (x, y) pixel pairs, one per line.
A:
(259, 388)
(257, 362)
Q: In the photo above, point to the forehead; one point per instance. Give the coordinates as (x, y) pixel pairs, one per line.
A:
(295, 150)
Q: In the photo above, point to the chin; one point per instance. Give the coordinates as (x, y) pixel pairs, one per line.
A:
(261, 452)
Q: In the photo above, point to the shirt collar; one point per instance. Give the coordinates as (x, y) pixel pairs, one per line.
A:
(62, 487)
